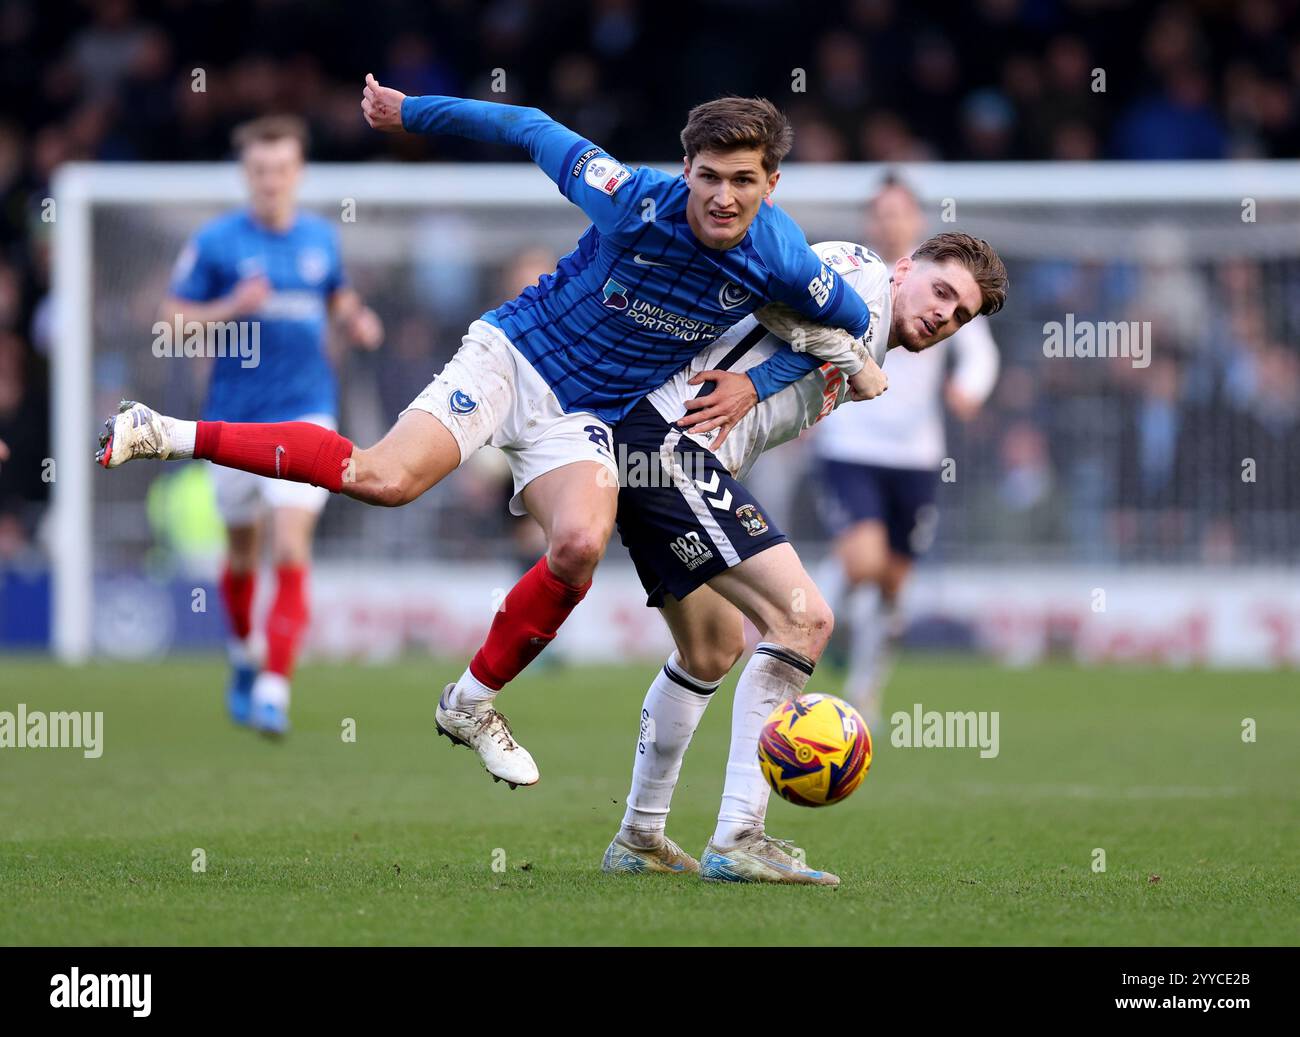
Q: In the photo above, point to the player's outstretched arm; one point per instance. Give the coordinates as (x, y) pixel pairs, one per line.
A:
(548, 142)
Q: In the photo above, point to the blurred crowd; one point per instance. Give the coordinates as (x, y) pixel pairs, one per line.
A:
(875, 80)
(1186, 457)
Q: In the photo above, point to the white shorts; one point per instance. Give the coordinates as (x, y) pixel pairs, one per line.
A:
(490, 394)
(242, 497)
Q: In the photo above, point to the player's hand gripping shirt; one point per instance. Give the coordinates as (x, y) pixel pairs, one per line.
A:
(639, 296)
(291, 377)
(789, 412)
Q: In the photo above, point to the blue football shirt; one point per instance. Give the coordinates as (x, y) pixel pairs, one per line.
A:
(293, 377)
(639, 296)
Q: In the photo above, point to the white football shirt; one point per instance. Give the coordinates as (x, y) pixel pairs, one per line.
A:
(783, 415)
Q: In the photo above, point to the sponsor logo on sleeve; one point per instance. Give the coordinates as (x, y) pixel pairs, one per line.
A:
(820, 287)
(604, 174)
(583, 159)
(841, 259)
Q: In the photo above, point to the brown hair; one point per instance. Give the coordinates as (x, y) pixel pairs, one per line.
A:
(270, 127)
(731, 123)
(977, 256)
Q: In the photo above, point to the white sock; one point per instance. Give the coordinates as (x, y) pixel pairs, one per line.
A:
(670, 714)
(772, 675)
(471, 695)
(272, 688)
(182, 435)
(870, 621)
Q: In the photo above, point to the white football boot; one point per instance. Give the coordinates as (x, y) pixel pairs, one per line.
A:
(622, 858)
(488, 734)
(757, 857)
(135, 432)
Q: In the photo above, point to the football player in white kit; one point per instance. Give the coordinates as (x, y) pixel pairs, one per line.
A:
(879, 469)
(709, 556)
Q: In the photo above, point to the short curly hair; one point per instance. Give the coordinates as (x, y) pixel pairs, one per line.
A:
(977, 256)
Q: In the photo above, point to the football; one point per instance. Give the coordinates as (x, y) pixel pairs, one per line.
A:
(814, 750)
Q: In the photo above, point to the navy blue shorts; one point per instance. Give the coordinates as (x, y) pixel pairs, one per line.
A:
(901, 498)
(686, 520)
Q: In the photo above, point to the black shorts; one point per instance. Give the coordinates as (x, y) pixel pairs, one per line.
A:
(681, 515)
(901, 498)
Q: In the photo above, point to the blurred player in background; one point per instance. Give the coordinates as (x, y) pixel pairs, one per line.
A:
(271, 264)
(709, 557)
(879, 467)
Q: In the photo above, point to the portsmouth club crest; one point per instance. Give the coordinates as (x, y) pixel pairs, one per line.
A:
(732, 295)
(313, 265)
(752, 519)
(461, 403)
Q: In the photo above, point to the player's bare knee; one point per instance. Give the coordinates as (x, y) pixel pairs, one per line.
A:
(863, 567)
(241, 558)
(730, 650)
(806, 630)
(574, 554)
(290, 554)
(819, 624)
(383, 493)
(383, 484)
(398, 490)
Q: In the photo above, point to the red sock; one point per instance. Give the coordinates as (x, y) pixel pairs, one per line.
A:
(288, 619)
(527, 623)
(237, 593)
(294, 450)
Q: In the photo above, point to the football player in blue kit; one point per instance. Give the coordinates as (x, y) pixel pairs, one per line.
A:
(669, 262)
(278, 269)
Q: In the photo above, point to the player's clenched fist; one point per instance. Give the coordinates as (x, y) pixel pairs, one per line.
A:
(366, 329)
(868, 383)
(249, 295)
(382, 106)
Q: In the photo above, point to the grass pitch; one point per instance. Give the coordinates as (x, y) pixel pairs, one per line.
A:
(398, 839)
